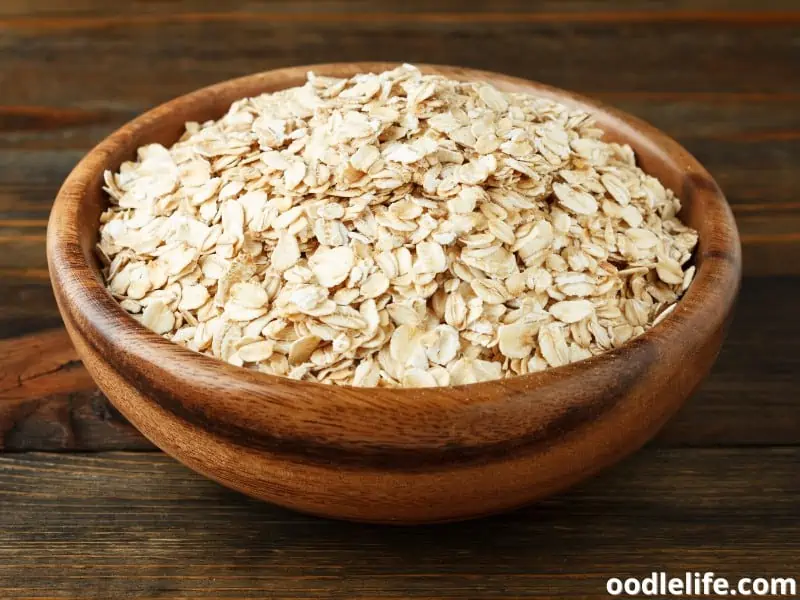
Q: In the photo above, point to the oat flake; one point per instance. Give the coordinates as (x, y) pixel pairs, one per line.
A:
(394, 229)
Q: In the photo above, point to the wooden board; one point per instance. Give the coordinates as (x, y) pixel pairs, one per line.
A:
(118, 525)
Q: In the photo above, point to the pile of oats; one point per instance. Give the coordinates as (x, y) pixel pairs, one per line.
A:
(394, 230)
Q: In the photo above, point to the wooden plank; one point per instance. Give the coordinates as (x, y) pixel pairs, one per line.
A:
(47, 59)
(47, 402)
(416, 13)
(74, 421)
(57, 8)
(117, 525)
(415, 10)
(26, 306)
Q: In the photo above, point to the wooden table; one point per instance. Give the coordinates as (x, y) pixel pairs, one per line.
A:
(89, 509)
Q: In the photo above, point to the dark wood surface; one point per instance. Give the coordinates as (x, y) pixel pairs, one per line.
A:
(122, 525)
(717, 490)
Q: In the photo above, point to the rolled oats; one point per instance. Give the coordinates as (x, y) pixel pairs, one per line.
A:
(394, 229)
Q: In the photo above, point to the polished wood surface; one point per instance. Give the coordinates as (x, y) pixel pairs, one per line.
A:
(126, 525)
(714, 491)
(392, 455)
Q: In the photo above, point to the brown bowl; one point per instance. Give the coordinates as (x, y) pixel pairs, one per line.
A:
(392, 455)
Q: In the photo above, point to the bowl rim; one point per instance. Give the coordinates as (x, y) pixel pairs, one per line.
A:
(89, 308)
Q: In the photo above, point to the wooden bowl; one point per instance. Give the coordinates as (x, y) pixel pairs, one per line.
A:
(392, 455)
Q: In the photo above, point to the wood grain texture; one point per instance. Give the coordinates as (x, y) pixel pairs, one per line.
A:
(750, 398)
(181, 51)
(384, 455)
(117, 525)
(719, 9)
(111, 526)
